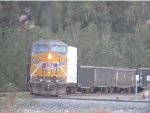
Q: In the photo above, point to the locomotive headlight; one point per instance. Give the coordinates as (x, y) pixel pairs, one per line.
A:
(41, 80)
(57, 80)
(48, 80)
(49, 56)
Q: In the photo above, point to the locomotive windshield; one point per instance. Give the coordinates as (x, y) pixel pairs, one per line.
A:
(40, 48)
(57, 48)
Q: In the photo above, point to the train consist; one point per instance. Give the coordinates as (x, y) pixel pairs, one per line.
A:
(52, 68)
(93, 79)
(106, 79)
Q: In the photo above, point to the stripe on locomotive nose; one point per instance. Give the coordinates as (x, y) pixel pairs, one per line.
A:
(42, 66)
(52, 65)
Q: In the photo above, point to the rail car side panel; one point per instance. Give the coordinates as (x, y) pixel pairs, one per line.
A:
(86, 76)
(124, 78)
(103, 76)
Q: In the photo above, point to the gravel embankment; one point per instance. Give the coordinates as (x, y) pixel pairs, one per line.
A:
(80, 106)
(47, 105)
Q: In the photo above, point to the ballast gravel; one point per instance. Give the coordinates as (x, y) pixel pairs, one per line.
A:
(42, 105)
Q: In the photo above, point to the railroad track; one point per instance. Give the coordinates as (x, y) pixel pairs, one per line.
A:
(116, 100)
(79, 97)
(74, 97)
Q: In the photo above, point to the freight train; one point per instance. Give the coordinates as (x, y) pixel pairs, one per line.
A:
(52, 68)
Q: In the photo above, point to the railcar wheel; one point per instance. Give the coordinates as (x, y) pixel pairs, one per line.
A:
(91, 90)
(106, 90)
(130, 90)
(87, 90)
(111, 90)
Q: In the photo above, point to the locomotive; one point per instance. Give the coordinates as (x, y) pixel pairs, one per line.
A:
(50, 67)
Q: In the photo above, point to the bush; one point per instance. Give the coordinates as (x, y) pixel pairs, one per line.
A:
(10, 87)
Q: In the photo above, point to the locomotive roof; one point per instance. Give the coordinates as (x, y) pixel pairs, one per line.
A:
(125, 69)
(144, 68)
(49, 42)
(117, 69)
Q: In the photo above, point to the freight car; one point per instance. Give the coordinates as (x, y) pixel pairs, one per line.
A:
(94, 79)
(85, 79)
(105, 79)
(50, 67)
(143, 74)
(124, 80)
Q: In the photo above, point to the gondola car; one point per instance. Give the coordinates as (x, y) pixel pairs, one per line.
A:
(124, 80)
(95, 79)
(105, 79)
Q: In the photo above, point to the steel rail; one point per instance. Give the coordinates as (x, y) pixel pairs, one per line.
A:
(70, 97)
(89, 99)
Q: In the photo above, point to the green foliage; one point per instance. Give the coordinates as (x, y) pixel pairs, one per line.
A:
(10, 87)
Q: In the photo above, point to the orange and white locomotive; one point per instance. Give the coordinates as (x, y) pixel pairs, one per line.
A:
(49, 68)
